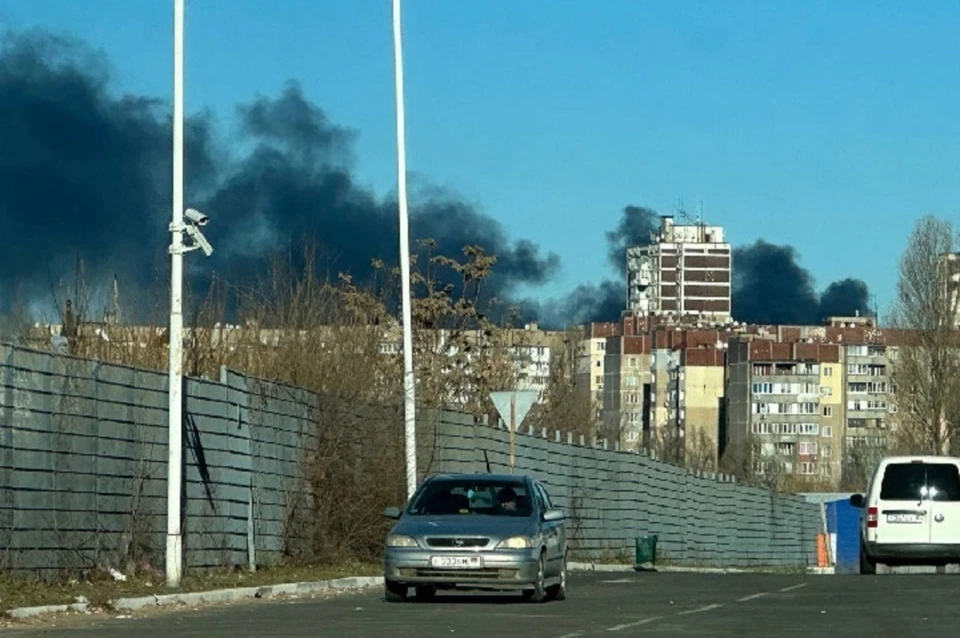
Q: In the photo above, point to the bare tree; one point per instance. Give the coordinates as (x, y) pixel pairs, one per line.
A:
(861, 457)
(926, 372)
(700, 450)
(567, 404)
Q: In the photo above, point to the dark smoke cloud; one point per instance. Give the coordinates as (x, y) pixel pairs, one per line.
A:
(636, 226)
(85, 173)
(81, 172)
(771, 287)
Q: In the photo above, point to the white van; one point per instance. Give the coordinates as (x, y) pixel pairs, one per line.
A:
(911, 513)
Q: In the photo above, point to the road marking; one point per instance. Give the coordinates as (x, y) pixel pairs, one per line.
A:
(701, 610)
(794, 587)
(573, 635)
(635, 624)
(619, 580)
(751, 597)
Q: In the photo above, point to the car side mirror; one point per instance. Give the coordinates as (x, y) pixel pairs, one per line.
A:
(392, 512)
(554, 515)
(856, 500)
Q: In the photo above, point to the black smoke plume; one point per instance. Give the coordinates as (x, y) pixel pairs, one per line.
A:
(86, 174)
(769, 285)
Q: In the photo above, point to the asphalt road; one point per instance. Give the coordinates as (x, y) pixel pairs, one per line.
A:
(627, 604)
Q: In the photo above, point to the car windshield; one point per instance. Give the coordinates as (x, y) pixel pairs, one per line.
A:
(459, 497)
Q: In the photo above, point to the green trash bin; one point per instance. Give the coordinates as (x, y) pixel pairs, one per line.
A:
(646, 551)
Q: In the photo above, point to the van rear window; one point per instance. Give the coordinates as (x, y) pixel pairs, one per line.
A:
(903, 482)
(914, 481)
(943, 479)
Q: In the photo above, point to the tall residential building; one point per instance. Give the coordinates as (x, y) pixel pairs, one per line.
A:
(590, 361)
(775, 411)
(697, 405)
(685, 272)
(626, 395)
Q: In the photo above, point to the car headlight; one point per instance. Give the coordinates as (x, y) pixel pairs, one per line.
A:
(398, 540)
(516, 542)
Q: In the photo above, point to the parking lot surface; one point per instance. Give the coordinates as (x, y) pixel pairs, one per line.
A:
(611, 604)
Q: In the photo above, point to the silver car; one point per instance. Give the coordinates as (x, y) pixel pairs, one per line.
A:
(477, 531)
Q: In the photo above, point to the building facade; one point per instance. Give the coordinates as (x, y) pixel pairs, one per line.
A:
(684, 272)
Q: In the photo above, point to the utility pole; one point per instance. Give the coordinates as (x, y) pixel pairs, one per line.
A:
(409, 382)
(174, 562)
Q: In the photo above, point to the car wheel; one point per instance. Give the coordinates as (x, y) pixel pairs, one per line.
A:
(866, 565)
(426, 593)
(539, 593)
(559, 592)
(394, 592)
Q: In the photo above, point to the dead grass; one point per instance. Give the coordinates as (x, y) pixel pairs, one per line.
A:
(19, 592)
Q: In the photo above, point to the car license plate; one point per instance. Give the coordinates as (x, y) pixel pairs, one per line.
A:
(904, 518)
(456, 562)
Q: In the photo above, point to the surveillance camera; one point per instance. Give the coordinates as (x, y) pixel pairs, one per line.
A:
(199, 240)
(196, 217)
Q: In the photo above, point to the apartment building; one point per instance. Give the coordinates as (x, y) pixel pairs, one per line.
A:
(590, 361)
(684, 272)
(626, 393)
(697, 407)
(775, 407)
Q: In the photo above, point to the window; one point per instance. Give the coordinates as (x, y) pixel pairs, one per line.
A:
(943, 482)
(808, 468)
(544, 497)
(633, 436)
(903, 482)
(826, 391)
(828, 371)
(826, 451)
(828, 431)
(786, 449)
(808, 447)
(827, 410)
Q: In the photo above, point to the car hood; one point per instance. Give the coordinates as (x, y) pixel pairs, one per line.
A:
(468, 525)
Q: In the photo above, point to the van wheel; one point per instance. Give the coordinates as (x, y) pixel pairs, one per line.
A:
(867, 566)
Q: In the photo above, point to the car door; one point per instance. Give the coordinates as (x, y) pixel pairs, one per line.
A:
(553, 531)
(903, 511)
(943, 488)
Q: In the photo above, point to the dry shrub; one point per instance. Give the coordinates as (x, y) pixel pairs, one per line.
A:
(342, 342)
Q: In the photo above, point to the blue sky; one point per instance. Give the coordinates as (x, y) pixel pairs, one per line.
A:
(831, 126)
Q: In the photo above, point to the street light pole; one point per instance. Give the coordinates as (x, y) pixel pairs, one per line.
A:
(409, 385)
(174, 562)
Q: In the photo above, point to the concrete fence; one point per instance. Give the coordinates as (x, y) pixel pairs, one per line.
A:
(83, 458)
(83, 466)
(615, 497)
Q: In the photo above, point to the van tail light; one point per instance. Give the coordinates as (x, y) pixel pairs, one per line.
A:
(871, 517)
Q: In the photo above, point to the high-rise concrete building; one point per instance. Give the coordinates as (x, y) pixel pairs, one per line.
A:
(776, 411)
(684, 272)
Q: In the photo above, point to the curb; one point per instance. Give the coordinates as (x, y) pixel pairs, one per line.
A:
(82, 605)
(602, 567)
(211, 596)
(614, 568)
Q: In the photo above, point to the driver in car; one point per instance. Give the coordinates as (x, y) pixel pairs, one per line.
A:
(507, 497)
